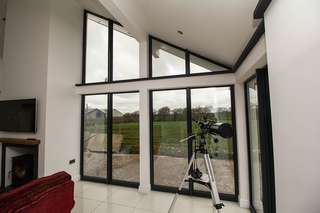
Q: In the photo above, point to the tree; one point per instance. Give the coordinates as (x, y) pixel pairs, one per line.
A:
(179, 114)
(200, 112)
(164, 113)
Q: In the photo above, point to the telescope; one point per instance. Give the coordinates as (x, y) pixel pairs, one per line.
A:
(193, 173)
(223, 130)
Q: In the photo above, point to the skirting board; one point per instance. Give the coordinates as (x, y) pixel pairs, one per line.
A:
(244, 203)
(145, 189)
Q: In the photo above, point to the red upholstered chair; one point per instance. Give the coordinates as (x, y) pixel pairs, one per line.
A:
(52, 194)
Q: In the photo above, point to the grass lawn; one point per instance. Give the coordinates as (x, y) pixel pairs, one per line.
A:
(166, 136)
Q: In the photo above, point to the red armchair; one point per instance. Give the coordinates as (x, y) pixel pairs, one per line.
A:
(52, 194)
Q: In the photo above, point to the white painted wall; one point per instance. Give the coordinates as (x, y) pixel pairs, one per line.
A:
(244, 194)
(256, 59)
(293, 47)
(129, 15)
(195, 81)
(42, 59)
(144, 141)
(64, 71)
(25, 60)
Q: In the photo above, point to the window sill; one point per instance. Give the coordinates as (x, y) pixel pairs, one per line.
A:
(156, 78)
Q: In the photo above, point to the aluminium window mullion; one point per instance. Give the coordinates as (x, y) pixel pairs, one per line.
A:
(189, 131)
(150, 75)
(110, 52)
(187, 61)
(82, 135)
(84, 47)
(109, 138)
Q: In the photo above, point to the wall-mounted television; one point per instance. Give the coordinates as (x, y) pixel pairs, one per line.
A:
(18, 115)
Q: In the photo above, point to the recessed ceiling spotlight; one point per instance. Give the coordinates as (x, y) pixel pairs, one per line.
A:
(180, 32)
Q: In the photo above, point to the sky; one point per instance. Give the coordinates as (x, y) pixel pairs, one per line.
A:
(125, 54)
(97, 52)
(129, 102)
(126, 66)
(123, 102)
(206, 97)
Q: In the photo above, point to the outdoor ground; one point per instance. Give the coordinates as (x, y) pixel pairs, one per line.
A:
(169, 171)
(169, 154)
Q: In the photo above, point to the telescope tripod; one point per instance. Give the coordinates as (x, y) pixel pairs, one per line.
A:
(194, 175)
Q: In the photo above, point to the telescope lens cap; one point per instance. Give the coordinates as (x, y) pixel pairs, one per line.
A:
(225, 130)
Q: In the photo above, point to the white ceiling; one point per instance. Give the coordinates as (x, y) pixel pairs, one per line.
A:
(217, 29)
(96, 7)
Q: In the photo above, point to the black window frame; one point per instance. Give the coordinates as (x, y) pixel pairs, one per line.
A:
(111, 24)
(187, 73)
(266, 142)
(110, 80)
(190, 191)
(108, 179)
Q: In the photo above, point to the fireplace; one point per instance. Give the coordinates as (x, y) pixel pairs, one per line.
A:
(22, 169)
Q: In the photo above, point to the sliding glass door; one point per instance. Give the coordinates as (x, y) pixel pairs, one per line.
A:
(260, 144)
(254, 144)
(110, 138)
(168, 127)
(173, 112)
(125, 137)
(95, 136)
(215, 104)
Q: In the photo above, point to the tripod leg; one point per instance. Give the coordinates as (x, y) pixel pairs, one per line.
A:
(214, 191)
(181, 185)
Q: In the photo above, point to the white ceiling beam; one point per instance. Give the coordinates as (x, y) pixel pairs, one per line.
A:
(127, 13)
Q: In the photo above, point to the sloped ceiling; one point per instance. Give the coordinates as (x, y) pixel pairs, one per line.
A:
(96, 7)
(217, 29)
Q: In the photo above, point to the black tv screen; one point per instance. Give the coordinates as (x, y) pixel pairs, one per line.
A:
(18, 115)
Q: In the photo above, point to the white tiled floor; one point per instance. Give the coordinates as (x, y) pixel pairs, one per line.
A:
(102, 198)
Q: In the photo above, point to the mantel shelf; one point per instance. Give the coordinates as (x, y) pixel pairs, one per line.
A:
(19, 141)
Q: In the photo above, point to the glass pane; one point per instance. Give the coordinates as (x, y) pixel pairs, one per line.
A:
(200, 65)
(125, 137)
(169, 126)
(215, 104)
(167, 60)
(95, 136)
(97, 50)
(255, 154)
(125, 55)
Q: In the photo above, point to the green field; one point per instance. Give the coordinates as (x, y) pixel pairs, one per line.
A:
(166, 136)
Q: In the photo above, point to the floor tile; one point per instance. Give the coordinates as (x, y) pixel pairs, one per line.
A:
(143, 211)
(156, 201)
(112, 208)
(188, 202)
(126, 197)
(79, 187)
(83, 205)
(98, 192)
(231, 207)
(102, 198)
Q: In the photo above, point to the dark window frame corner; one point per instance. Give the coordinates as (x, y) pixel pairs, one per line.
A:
(188, 53)
(261, 8)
